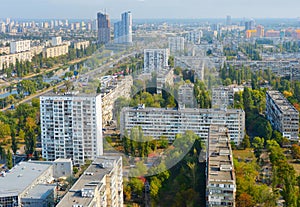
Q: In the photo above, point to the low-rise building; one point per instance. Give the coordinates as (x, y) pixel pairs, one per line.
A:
(220, 176)
(157, 122)
(283, 116)
(101, 185)
(50, 52)
(31, 183)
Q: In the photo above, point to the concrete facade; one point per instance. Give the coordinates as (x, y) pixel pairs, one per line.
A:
(157, 122)
(71, 127)
(283, 116)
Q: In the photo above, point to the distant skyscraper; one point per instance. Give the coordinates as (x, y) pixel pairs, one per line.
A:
(123, 29)
(103, 28)
(250, 25)
(228, 20)
(260, 31)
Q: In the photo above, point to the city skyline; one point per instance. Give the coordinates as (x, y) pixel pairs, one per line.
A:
(146, 9)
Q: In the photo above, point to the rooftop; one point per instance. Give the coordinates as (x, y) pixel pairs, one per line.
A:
(20, 177)
(283, 104)
(40, 191)
(220, 164)
(90, 180)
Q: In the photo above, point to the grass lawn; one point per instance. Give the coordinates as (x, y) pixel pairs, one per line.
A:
(244, 154)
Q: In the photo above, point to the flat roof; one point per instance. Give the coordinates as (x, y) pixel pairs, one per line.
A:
(20, 177)
(219, 162)
(283, 104)
(41, 191)
(91, 179)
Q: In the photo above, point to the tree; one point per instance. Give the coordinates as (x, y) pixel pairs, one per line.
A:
(14, 145)
(30, 142)
(245, 200)
(295, 151)
(246, 142)
(9, 160)
(258, 144)
(247, 99)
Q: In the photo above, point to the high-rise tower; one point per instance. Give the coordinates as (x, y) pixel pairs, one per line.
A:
(103, 28)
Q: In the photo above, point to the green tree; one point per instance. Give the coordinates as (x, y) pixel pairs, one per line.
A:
(9, 160)
(14, 144)
(30, 142)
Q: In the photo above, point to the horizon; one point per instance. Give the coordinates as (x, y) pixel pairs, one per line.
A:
(147, 9)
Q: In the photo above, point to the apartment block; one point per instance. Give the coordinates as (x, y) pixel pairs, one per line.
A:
(6, 60)
(222, 97)
(4, 50)
(155, 60)
(157, 122)
(71, 127)
(19, 46)
(101, 185)
(50, 52)
(55, 41)
(220, 176)
(195, 64)
(120, 88)
(186, 96)
(30, 184)
(283, 116)
(81, 44)
(176, 45)
(164, 78)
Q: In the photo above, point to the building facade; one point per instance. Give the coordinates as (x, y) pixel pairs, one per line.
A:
(121, 88)
(186, 96)
(220, 176)
(155, 60)
(71, 127)
(55, 41)
(19, 46)
(101, 185)
(103, 22)
(157, 122)
(81, 44)
(6, 60)
(176, 45)
(123, 29)
(283, 116)
(50, 52)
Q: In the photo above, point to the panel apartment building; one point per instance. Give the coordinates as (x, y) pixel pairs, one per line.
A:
(101, 185)
(155, 60)
(157, 122)
(283, 116)
(71, 127)
(220, 176)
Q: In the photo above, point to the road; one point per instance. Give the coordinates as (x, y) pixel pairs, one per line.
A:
(93, 72)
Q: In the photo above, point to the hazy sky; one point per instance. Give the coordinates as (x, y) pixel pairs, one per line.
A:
(150, 8)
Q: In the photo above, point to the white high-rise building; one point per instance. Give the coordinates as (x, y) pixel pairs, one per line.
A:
(19, 46)
(155, 60)
(71, 127)
(176, 45)
(123, 29)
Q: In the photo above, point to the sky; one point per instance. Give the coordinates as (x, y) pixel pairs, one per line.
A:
(149, 9)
